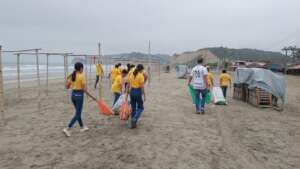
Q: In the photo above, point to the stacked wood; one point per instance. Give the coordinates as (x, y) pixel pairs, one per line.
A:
(256, 97)
(260, 98)
(240, 92)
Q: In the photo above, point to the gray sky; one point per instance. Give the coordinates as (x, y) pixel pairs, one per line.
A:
(127, 25)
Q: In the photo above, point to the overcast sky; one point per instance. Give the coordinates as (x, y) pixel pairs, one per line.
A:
(127, 25)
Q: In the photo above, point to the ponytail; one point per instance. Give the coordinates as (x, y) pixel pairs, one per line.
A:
(138, 69)
(73, 76)
(78, 66)
(135, 72)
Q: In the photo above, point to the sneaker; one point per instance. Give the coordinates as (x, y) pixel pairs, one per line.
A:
(202, 111)
(133, 124)
(67, 132)
(83, 129)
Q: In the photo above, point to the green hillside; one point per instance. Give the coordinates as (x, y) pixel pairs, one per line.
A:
(248, 54)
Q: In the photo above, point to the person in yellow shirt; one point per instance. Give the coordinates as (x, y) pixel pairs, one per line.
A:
(225, 81)
(76, 81)
(116, 87)
(210, 78)
(136, 91)
(99, 73)
(115, 72)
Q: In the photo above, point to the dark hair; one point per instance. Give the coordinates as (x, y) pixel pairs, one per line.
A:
(200, 61)
(116, 66)
(128, 66)
(132, 66)
(138, 69)
(224, 71)
(208, 69)
(124, 71)
(77, 67)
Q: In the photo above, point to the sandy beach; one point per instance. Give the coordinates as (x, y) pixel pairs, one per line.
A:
(169, 136)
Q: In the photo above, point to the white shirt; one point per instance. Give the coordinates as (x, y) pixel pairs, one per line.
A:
(198, 72)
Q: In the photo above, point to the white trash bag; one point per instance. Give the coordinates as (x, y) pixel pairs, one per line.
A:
(119, 102)
(217, 96)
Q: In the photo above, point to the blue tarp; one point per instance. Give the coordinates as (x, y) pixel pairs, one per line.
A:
(262, 78)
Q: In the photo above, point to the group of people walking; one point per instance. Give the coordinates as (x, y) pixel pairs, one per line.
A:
(203, 81)
(128, 80)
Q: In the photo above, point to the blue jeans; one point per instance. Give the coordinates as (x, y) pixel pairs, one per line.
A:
(200, 103)
(117, 96)
(137, 104)
(77, 99)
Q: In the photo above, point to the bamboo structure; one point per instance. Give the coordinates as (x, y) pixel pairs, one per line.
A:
(1, 85)
(149, 58)
(38, 77)
(100, 59)
(47, 74)
(19, 78)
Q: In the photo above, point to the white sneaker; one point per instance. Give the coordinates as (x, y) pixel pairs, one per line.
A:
(83, 129)
(67, 132)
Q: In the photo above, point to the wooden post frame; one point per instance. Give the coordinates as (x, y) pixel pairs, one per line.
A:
(47, 74)
(38, 78)
(1, 84)
(19, 78)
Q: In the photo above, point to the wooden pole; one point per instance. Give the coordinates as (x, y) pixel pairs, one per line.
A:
(100, 82)
(38, 78)
(47, 73)
(66, 74)
(19, 79)
(159, 70)
(1, 87)
(149, 55)
(86, 70)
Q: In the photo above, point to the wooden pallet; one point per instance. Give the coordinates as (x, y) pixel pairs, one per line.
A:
(240, 92)
(260, 98)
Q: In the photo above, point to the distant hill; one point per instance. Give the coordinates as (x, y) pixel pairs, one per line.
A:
(248, 54)
(163, 58)
(212, 55)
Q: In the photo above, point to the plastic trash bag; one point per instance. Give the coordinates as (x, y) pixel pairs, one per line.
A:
(208, 97)
(217, 96)
(193, 93)
(125, 111)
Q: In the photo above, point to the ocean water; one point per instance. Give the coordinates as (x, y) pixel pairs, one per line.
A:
(29, 71)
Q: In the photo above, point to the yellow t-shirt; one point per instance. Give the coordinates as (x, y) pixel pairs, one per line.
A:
(131, 71)
(114, 73)
(116, 87)
(210, 78)
(136, 82)
(225, 79)
(99, 70)
(79, 82)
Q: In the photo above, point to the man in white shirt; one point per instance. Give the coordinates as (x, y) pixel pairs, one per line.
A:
(200, 84)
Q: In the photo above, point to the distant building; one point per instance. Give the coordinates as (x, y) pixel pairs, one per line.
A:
(294, 70)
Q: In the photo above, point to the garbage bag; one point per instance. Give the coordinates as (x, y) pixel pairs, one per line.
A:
(193, 93)
(217, 96)
(125, 111)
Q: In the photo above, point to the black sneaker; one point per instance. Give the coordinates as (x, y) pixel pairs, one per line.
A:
(202, 111)
(133, 124)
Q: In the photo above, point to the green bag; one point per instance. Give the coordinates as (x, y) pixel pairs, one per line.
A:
(193, 94)
(208, 97)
